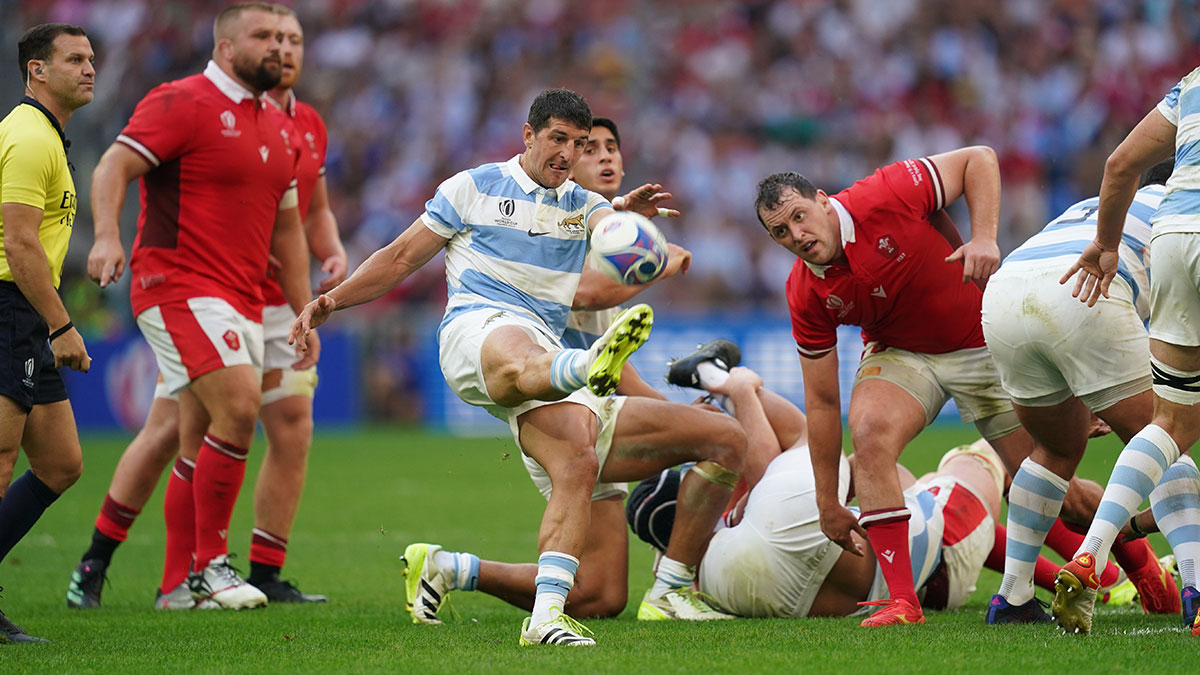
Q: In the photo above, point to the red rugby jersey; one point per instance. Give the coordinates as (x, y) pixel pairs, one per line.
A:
(222, 163)
(895, 283)
(309, 139)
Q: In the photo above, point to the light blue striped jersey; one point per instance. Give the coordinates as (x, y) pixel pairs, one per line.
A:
(514, 244)
(1066, 236)
(1180, 209)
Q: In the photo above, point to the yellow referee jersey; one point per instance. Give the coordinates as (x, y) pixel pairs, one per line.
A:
(34, 172)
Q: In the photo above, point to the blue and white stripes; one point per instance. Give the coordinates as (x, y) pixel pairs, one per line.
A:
(556, 574)
(1176, 505)
(1065, 237)
(1034, 501)
(1139, 468)
(514, 244)
(568, 370)
(1180, 211)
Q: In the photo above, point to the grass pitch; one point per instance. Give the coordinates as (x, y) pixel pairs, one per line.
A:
(370, 493)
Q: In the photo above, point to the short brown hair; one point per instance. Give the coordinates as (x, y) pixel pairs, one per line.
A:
(38, 43)
(235, 10)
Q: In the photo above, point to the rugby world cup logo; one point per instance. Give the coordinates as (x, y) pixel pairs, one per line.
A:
(507, 208)
(28, 368)
(229, 121)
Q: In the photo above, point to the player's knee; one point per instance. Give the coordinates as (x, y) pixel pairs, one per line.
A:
(729, 439)
(578, 472)
(1081, 501)
(600, 603)
(61, 474)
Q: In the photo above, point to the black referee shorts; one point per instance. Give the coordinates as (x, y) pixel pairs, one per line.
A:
(27, 372)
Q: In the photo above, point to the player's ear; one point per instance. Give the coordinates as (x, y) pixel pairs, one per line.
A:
(527, 134)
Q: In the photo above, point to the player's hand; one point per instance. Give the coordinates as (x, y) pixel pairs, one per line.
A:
(740, 379)
(1096, 268)
(980, 259)
(334, 268)
(311, 352)
(106, 261)
(69, 351)
(274, 266)
(679, 259)
(1098, 427)
(314, 314)
(837, 522)
(644, 200)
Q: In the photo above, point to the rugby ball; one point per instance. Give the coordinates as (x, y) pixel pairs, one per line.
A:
(628, 248)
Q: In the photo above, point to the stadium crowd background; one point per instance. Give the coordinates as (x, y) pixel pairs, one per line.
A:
(710, 96)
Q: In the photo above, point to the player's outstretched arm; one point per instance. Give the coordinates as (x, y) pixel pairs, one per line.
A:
(31, 272)
(597, 291)
(822, 401)
(762, 445)
(118, 166)
(1150, 142)
(378, 274)
(643, 200)
(321, 228)
(974, 172)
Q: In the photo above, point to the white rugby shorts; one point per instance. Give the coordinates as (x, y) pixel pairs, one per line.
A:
(967, 374)
(196, 336)
(279, 355)
(1175, 288)
(460, 345)
(1048, 345)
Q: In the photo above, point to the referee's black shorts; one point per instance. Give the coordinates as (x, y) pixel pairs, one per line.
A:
(27, 372)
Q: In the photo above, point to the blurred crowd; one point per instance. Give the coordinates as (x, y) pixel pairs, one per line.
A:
(710, 97)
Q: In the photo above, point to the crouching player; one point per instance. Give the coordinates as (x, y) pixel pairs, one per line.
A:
(774, 561)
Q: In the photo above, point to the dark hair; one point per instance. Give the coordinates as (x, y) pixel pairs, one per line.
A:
(562, 104)
(610, 125)
(1159, 173)
(38, 43)
(770, 191)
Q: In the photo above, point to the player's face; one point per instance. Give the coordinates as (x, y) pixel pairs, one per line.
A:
(551, 153)
(807, 227)
(256, 49)
(601, 168)
(70, 73)
(292, 51)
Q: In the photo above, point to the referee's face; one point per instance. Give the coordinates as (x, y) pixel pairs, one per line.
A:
(71, 75)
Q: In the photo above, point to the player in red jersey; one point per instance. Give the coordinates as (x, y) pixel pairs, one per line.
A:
(288, 392)
(870, 256)
(286, 416)
(218, 195)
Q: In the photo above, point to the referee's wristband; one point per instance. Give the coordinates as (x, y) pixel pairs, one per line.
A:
(61, 331)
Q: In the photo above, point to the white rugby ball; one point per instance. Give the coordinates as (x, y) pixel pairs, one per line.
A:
(628, 248)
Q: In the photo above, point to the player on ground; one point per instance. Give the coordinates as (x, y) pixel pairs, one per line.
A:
(1060, 362)
(37, 211)
(1174, 341)
(774, 561)
(287, 393)
(218, 194)
(639, 438)
(868, 256)
(515, 236)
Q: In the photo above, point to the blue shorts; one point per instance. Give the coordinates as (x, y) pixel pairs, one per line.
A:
(27, 372)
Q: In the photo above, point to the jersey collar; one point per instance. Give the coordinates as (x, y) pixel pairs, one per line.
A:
(29, 100)
(226, 84)
(847, 228)
(529, 185)
(289, 109)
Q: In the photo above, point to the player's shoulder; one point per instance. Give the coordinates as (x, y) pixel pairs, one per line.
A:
(308, 115)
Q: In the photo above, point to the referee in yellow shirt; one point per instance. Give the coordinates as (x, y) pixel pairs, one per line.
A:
(37, 210)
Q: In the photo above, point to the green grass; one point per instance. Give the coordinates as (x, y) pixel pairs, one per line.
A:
(370, 493)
